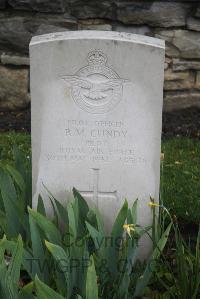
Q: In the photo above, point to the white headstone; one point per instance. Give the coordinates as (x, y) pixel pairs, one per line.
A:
(96, 100)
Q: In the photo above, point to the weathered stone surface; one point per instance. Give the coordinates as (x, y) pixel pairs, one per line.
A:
(104, 27)
(92, 21)
(182, 65)
(13, 34)
(197, 84)
(193, 24)
(170, 75)
(197, 14)
(175, 101)
(13, 88)
(27, 18)
(168, 61)
(38, 5)
(2, 4)
(22, 5)
(171, 50)
(188, 42)
(14, 59)
(161, 14)
(46, 28)
(17, 30)
(144, 30)
(183, 42)
(167, 35)
(62, 21)
(92, 9)
(178, 80)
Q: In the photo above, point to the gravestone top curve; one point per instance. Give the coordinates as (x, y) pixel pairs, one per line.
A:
(89, 34)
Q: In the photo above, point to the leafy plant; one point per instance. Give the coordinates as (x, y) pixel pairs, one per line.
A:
(15, 196)
(182, 279)
(10, 274)
(79, 261)
(71, 256)
(87, 262)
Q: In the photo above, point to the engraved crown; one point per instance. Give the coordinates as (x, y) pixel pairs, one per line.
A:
(97, 57)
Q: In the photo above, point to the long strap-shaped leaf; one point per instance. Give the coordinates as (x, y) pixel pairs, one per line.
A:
(143, 281)
(16, 177)
(16, 261)
(91, 282)
(37, 246)
(27, 291)
(45, 292)
(62, 261)
(9, 197)
(13, 273)
(49, 229)
(116, 235)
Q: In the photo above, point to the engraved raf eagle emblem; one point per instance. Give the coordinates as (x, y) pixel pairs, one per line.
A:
(96, 88)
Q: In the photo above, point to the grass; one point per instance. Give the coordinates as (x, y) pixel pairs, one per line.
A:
(181, 177)
(8, 140)
(180, 174)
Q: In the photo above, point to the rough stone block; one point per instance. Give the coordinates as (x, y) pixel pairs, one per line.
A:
(13, 88)
(82, 9)
(167, 62)
(16, 30)
(103, 27)
(161, 14)
(171, 50)
(38, 5)
(188, 42)
(46, 28)
(197, 14)
(185, 42)
(182, 65)
(178, 80)
(170, 75)
(168, 36)
(182, 100)
(14, 59)
(144, 30)
(197, 84)
(193, 24)
(14, 36)
(2, 4)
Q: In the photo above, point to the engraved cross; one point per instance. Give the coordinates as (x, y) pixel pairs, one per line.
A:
(95, 194)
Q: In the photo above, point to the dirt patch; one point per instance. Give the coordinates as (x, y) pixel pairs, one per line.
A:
(185, 122)
(19, 121)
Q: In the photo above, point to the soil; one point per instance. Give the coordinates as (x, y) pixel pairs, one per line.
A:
(185, 122)
(18, 121)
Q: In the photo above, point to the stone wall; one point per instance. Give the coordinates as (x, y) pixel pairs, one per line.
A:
(178, 23)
